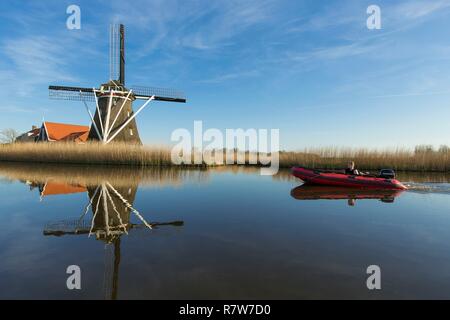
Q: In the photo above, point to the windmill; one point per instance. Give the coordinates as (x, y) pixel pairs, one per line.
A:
(115, 119)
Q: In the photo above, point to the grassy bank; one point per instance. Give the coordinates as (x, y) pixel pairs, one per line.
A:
(421, 159)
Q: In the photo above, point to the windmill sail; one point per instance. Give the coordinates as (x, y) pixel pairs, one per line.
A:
(115, 49)
(140, 92)
(71, 93)
(122, 54)
(160, 94)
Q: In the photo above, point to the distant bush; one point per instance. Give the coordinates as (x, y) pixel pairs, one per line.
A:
(444, 149)
(8, 136)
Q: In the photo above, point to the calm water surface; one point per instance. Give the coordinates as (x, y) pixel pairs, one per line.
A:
(219, 233)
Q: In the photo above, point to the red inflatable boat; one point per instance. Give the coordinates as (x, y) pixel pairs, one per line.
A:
(311, 176)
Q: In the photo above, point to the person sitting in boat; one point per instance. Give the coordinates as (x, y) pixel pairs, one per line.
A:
(351, 170)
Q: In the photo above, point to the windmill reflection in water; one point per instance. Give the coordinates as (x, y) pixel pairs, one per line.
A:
(112, 209)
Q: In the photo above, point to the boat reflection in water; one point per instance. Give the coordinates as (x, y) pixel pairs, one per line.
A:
(308, 192)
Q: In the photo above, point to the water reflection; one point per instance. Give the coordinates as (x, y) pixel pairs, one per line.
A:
(404, 177)
(111, 195)
(243, 236)
(51, 188)
(306, 192)
(111, 212)
(73, 175)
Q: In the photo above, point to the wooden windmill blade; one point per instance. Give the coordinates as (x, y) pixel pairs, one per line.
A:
(160, 94)
(71, 93)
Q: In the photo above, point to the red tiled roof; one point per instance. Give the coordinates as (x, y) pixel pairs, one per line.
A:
(61, 132)
(55, 188)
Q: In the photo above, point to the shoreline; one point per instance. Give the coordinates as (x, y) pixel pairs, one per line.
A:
(204, 166)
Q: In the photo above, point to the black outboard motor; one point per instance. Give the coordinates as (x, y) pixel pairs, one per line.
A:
(387, 173)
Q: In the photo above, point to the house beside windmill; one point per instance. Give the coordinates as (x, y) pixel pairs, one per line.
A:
(56, 132)
(29, 136)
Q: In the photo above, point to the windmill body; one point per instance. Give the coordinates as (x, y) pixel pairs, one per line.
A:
(115, 108)
(114, 118)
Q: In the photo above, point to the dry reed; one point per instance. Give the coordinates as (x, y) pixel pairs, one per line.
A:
(132, 155)
(86, 154)
(365, 159)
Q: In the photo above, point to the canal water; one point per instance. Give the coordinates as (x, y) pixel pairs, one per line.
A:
(223, 233)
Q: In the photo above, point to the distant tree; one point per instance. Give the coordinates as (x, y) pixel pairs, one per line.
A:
(8, 135)
(444, 149)
(420, 149)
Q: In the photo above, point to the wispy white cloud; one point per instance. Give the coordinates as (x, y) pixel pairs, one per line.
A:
(331, 16)
(333, 52)
(231, 19)
(417, 9)
(352, 14)
(32, 61)
(230, 76)
(35, 55)
(192, 24)
(410, 94)
(20, 109)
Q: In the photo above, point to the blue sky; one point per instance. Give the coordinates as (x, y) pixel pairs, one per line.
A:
(309, 68)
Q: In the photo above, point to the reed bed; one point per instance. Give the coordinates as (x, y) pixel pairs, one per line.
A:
(366, 159)
(420, 159)
(86, 154)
